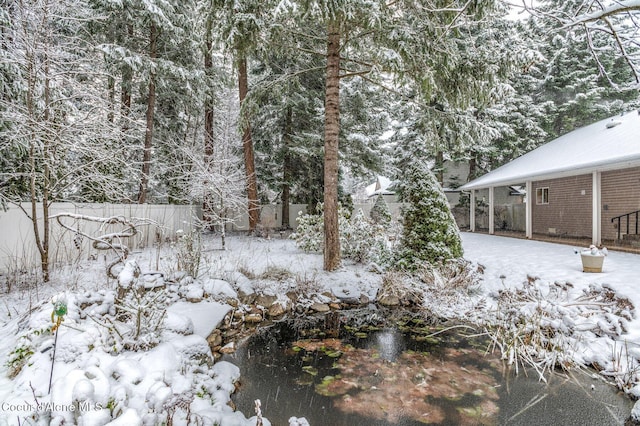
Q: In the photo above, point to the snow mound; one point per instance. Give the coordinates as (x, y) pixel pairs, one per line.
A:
(218, 288)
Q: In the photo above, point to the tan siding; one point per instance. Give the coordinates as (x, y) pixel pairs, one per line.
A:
(569, 208)
(620, 195)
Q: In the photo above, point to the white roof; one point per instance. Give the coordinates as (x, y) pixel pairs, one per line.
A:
(379, 187)
(613, 143)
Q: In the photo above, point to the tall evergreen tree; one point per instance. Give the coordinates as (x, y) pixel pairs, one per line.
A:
(515, 118)
(444, 117)
(380, 213)
(581, 89)
(243, 24)
(287, 101)
(364, 38)
(615, 20)
(152, 49)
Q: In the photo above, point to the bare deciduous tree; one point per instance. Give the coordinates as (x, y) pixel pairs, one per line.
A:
(57, 124)
(217, 180)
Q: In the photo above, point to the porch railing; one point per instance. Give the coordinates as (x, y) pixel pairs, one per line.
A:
(627, 218)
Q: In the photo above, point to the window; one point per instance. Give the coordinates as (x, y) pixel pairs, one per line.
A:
(542, 195)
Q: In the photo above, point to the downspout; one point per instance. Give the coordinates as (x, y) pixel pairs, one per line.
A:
(596, 208)
(491, 208)
(472, 210)
(529, 210)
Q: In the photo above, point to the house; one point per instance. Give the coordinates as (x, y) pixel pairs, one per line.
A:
(585, 184)
(507, 200)
(456, 172)
(382, 186)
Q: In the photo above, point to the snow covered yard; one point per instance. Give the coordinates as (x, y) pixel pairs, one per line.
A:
(171, 375)
(590, 312)
(165, 375)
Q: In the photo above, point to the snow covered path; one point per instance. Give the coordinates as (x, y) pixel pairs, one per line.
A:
(510, 260)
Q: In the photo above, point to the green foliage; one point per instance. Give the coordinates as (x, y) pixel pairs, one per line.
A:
(18, 359)
(580, 89)
(21, 355)
(309, 235)
(380, 213)
(361, 239)
(430, 233)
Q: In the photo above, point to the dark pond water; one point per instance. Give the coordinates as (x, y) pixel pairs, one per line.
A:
(405, 375)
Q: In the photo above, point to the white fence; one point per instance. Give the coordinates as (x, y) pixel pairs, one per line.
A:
(18, 250)
(271, 214)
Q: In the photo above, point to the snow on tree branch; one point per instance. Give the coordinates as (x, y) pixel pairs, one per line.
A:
(618, 20)
(616, 8)
(107, 241)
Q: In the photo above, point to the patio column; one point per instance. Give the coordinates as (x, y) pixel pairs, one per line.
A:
(472, 211)
(529, 210)
(596, 208)
(491, 219)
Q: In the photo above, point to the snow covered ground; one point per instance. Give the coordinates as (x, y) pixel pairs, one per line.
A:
(514, 259)
(97, 377)
(599, 333)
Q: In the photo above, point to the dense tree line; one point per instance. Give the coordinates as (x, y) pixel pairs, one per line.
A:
(163, 101)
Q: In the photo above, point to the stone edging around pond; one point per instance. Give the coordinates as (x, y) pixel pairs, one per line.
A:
(249, 311)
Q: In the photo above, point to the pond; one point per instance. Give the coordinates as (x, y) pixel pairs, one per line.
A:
(406, 373)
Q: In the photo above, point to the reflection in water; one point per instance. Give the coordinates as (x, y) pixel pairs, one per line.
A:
(414, 387)
(401, 379)
(388, 346)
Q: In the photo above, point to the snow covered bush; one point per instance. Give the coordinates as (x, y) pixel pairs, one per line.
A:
(140, 310)
(430, 233)
(449, 287)
(361, 239)
(443, 290)
(546, 325)
(309, 235)
(188, 252)
(380, 213)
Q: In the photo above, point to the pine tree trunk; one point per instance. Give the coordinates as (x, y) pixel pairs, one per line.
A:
(207, 203)
(472, 169)
(439, 172)
(286, 169)
(125, 89)
(111, 116)
(148, 135)
(247, 147)
(125, 94)
(331, 134)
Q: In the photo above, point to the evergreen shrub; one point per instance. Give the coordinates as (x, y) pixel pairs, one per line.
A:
(430, 233)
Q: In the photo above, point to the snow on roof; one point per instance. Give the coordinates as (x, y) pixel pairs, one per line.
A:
(380, 186)
(608, 144)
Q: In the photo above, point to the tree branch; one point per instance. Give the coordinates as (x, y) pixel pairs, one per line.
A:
(354, 73)
(616, 8)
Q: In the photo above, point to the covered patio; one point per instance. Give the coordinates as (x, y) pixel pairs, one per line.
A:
(583, 185)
